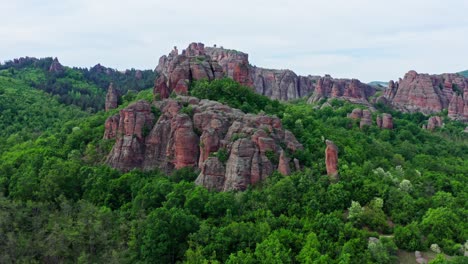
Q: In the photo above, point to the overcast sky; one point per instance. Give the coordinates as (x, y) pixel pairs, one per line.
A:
(364, 39)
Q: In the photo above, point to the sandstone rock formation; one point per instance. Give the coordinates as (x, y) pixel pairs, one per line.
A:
(232, 149)
(331, 160)
(176, 70)
(366, 119)
(356, 113)
(434, 122)
(56, 67)
(111, 98)
(200, 62)
(276, 84)
(430, 94)
(387, 121)
(352, 90)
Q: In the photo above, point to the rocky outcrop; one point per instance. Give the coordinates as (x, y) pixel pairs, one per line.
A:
(111, 98)
(331, 160)
(356, 113)
(430, 94)
(366, 119)
(276, 84)
(176, 70)
(129, 149)
(233, 150)
(348, 89)
(434, 122)
(56, 67)
(387, 121)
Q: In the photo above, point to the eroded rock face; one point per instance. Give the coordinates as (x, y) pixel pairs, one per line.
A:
(176, 70)
(387, 121)
(348, 89)
(232, 149)
(356, 113)
(276, 84)
(366, 119)
(129, 149)
(434, 122)
(428, 94)
(111, 98)
(331, 160)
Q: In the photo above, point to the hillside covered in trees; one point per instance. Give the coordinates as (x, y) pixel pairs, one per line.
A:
(400, 190)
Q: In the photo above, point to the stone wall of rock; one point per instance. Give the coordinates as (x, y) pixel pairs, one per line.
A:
(348, 89)
(252, 145)
(428, 94)
(176, 70)
(331, 160)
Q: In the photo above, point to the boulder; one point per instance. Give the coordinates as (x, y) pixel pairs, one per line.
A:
(356, 113)
(434, 122)
(387, 121)
(366, 119)
(429, 94)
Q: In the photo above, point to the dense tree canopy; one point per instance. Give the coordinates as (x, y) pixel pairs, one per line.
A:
(61, 204)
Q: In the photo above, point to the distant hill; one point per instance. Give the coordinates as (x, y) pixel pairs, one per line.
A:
(83, 87)
(464, 73)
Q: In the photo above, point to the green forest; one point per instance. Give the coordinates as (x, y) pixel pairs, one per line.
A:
(59, 202)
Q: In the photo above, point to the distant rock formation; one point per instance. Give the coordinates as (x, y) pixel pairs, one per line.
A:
(349, 89)
(56, 67)
(232, 149)
(176, 70)
(276, 84)
(387, 121)
(366, 119)
(111, 98)
(331, 160)
(434, 122)
(430, 94)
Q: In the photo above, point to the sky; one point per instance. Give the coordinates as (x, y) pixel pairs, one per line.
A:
(364, 39)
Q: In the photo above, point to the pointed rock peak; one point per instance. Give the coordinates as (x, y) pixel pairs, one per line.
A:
(112, 98)
(56, 67)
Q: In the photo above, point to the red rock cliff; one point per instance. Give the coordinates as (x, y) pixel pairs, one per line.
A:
(232, 149)
(430, 94)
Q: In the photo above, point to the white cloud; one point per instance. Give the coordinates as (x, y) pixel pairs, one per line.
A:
(365, 39)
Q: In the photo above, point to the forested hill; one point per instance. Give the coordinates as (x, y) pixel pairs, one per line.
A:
(83, 87)
(400, 190)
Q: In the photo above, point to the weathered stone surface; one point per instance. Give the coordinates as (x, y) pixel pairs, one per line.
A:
(111, 127)
(348, 89)
(112, 98)
(428, 94)
(366, 119)
(128, 151)
(387, 121)
(276, 84)
(331, 160)
(178, 140)
(434, 122)
(356, 113)
(176, 70)
(56, 67)
(283, 166)
(212, 174)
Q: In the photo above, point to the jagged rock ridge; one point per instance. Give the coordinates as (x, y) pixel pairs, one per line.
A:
(232, 149)
(197, 62)
(428, 94)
